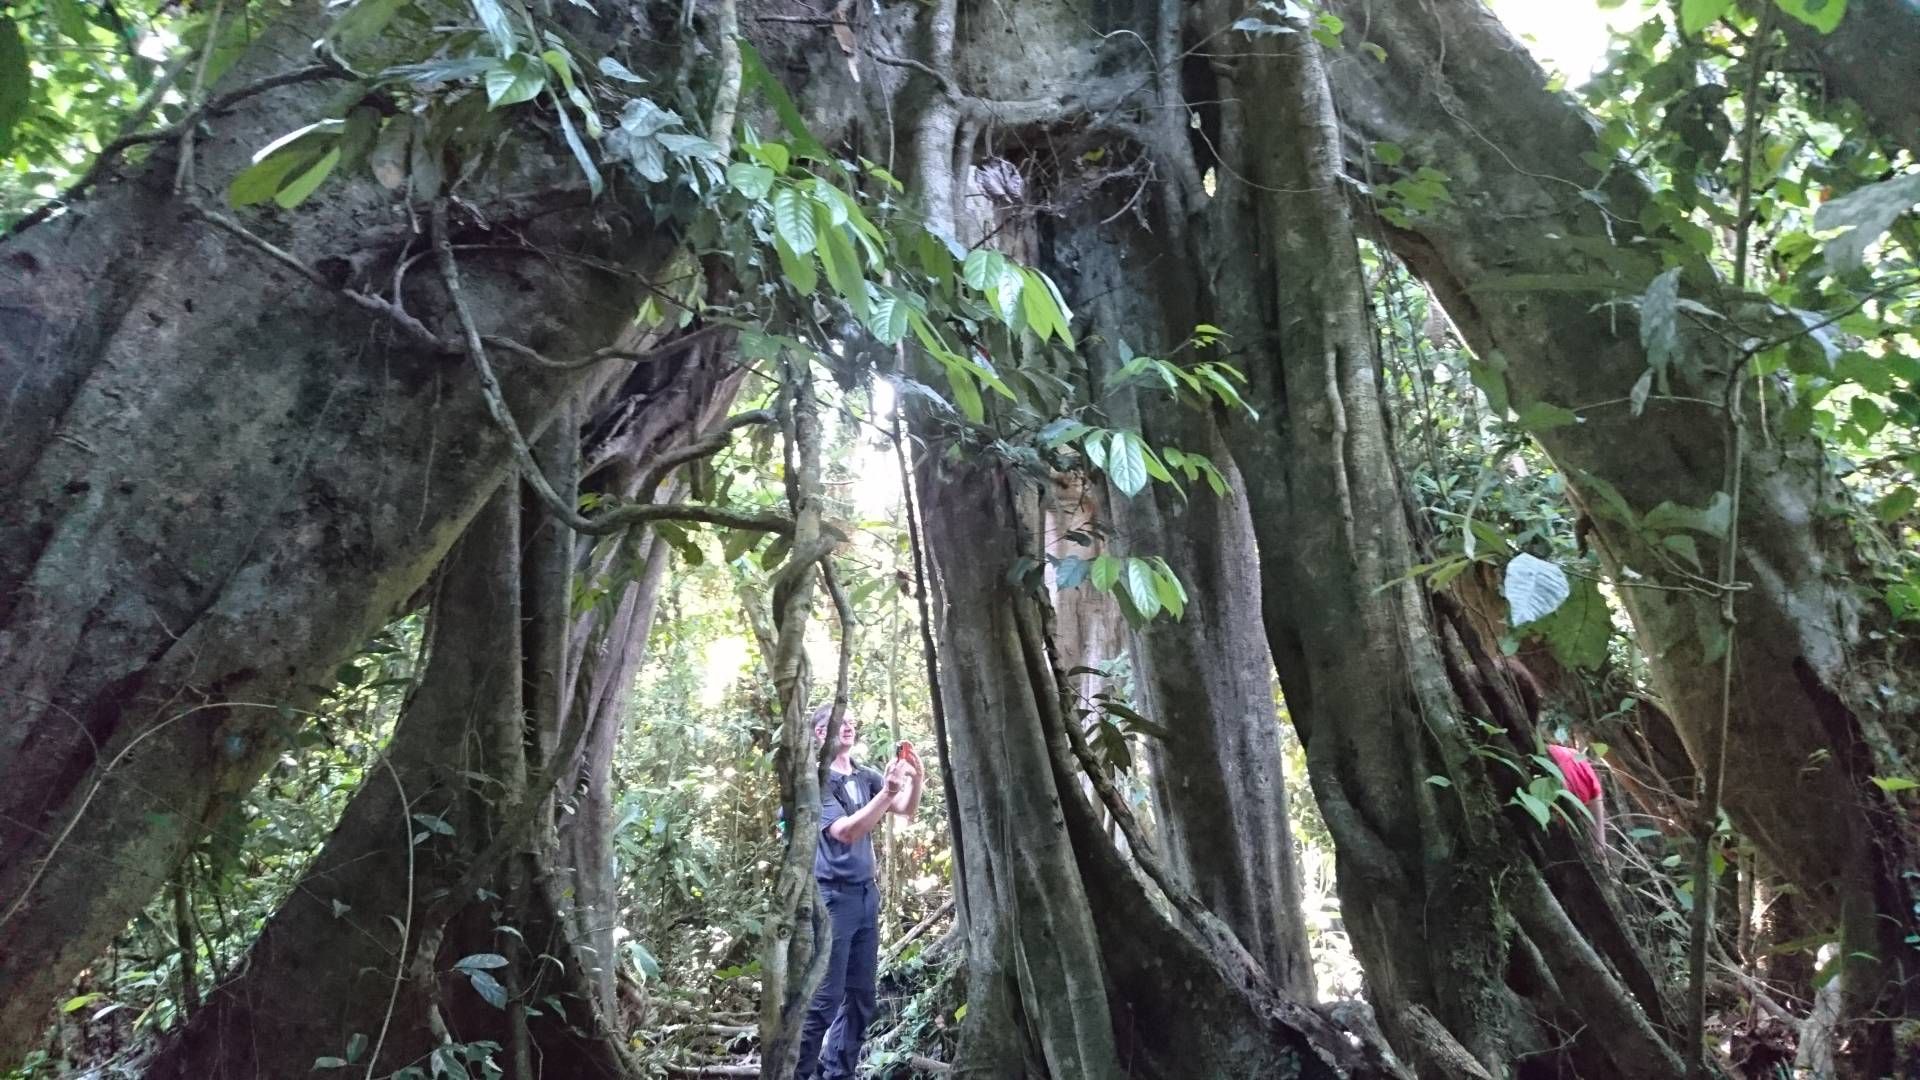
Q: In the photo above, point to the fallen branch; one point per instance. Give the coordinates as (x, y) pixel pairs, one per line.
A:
(908, 938)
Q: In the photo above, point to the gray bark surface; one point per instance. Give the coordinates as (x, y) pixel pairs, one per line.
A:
(217, 493)
(1206, 677)
(1831, 702)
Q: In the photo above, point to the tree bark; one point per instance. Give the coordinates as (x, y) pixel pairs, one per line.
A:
(326, 961)
(1072, 969)
(1206, 677)
(1872, 58)
(1817, 684)
(1472, 962)
(218, 493)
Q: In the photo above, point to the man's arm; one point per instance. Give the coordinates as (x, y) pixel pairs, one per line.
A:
(855, 827)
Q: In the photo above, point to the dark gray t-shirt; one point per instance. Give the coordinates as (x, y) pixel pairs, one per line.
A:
(844, 795)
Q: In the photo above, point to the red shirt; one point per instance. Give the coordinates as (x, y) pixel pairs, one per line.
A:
(1581, 779)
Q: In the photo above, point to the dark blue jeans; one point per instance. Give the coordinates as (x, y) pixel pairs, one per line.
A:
(843, 1006)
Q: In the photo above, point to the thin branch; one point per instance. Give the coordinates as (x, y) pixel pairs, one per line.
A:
(600, 356)
(183, 169)
(413, 327)
(614, 520)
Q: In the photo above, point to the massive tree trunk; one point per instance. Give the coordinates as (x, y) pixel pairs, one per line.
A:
(218, 492)
(1205, 677)
(1072, 969)
(465, 750)
(608, 643)
(1471, 959)
(1816, 683)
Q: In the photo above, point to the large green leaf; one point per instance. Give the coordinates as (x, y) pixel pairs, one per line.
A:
(1534, 588)
(1822, 15)
(1143, 588)
(1660, 320)
(754, 75)
(263, 180)
(494, 18)
(514, 80)
(1697, 15)
(797, 268)
(300, 187)
(793, 220)
(1126, 465)
(1579, 631)
(753, 181)
(1870, 211)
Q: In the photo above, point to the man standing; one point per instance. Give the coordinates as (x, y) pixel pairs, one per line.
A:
(852, 803)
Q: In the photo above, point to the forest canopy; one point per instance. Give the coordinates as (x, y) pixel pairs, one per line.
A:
(1396, 560)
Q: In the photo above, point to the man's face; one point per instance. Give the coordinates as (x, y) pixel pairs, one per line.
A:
(848, 734)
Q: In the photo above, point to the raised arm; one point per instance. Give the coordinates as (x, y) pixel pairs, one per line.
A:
(907, 802)
(854, 827)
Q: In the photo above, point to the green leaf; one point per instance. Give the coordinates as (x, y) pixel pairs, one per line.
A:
(514, 80)
(1712, 521)
(494, 18)
(355, 1047)
(1490, 375)
(753, 181)
(488, 987)
(1038, 304)
(1542, 416)
(1439, 781)
(982, 269)
(842, 265)
(889, 318)
(793, 220)
(643, 960)
(1535, 806)
(755, 76)
(1682, 545)
(329, 1063)
(1868, 212)
(1141, 588)
(484, 961)
(1105, 572)
(580, 155)
(1388, 154)
(1070, 571)
(797, 268)
(1578, 632)
(1167, 587)
(1697, 15)
(1822, 15)
(1867, 414)
(261, 181)
(435, 823)
(363, 23)
(302, 186)
(75, 1004)
(1534, 588)
(1126, 465)
(1660, 320)
(1894, 784)
(1896, 505)
(614, 69)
